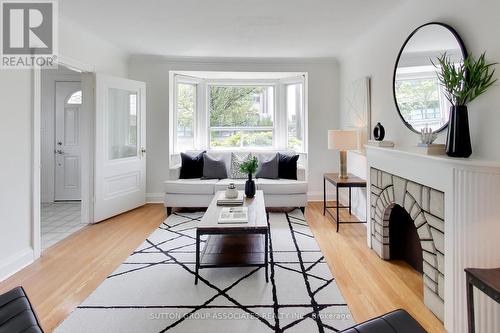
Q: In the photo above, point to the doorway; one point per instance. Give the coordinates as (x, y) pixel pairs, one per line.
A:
(101, 174)
(61, 154)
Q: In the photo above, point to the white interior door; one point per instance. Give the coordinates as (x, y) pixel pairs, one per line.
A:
(68, 106)
(120, 161)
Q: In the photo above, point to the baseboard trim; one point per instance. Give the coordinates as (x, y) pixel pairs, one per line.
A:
(317, 196)
(155, 198)
(16, 262)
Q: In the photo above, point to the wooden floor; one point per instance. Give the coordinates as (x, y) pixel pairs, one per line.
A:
(68, 272)
(370, 285)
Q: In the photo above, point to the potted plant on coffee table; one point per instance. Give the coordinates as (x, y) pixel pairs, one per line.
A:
(249, 167)
(462, 82)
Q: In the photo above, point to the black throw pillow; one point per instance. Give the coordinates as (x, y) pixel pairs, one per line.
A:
(287, 166)
(192, 166)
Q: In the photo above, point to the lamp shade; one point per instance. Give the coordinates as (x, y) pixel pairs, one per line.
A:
(342, 139)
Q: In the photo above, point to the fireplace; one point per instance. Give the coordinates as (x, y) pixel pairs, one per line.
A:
(454, 205)
(408, 224)
(404, 241)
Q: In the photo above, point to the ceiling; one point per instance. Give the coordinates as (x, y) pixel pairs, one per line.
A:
(229, 28)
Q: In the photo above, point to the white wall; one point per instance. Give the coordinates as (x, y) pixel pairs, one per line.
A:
(76, 43)
(375, 54)
(16, 134)
(356, 164)
(15, 172)
(323, 108)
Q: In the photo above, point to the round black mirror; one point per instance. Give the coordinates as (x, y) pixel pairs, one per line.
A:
(419, 97)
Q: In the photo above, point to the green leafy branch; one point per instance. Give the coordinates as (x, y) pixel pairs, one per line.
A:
(250, 166)
(464, 82)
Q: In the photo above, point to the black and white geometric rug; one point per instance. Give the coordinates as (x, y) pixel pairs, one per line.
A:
(154, 290)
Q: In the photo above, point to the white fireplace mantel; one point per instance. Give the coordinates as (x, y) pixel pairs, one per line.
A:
(472, 222)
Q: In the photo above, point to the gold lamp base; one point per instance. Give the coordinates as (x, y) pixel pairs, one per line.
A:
(343, 164)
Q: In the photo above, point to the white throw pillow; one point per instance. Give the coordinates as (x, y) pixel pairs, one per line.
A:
(236, 162)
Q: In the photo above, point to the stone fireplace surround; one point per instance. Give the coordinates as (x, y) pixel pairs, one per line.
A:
(470, 216)
(425, 207)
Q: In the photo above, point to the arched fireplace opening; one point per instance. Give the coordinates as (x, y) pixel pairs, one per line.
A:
(407, 223)
(404, 241)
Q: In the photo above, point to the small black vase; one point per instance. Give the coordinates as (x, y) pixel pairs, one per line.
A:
(379, 132)
(250, 187)
(458, 140)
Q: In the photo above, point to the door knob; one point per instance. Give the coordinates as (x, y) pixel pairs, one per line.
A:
(60, 152)
(143, 150)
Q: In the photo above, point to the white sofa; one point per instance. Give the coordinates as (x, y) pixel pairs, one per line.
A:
(200, 192)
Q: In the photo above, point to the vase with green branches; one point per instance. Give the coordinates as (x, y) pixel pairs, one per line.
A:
(249, 167)
(462, 83)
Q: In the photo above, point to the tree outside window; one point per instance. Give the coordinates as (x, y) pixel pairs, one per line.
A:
(186, 105)
(241, 116)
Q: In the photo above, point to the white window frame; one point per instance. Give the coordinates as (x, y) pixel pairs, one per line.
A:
(182, 79)
(201, 121)
(290, 81)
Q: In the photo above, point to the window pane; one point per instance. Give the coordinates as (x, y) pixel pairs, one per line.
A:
(241, 106)
(186, 105)
(235, 138)
(225, 138)
(263, 138)
(241, 116)
(295, 118)
(122, 123)
(75, 98)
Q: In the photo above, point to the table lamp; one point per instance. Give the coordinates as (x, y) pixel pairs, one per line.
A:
(342, 140)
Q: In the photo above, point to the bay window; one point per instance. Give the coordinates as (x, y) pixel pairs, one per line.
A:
(218, 110)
